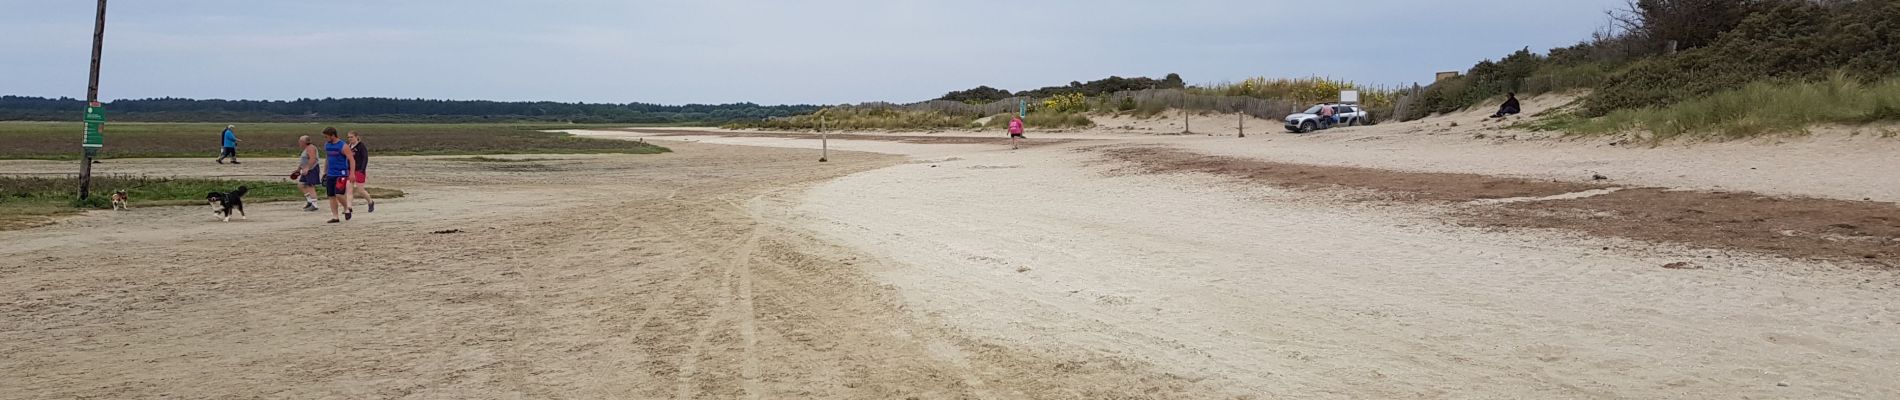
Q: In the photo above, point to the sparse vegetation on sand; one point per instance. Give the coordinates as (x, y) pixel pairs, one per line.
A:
(1046, 120)
(1756, 109)
(30, 201)
(57, 140)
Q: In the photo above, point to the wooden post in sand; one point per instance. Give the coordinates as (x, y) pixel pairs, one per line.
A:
(1185, 128)
(1242, 124)
(824, 141)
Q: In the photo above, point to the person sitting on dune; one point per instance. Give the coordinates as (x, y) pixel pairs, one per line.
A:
(1509, 108)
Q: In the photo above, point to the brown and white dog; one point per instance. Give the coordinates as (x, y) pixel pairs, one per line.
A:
(120, 201)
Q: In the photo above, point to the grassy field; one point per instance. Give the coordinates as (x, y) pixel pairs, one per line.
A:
(859, 119)
(60, 140)
(482, 159)
(31, 201)
(880, 119)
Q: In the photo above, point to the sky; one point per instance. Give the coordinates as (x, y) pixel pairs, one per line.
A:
(768, 52)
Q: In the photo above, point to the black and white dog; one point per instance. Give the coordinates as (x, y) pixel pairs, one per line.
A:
(223, 203)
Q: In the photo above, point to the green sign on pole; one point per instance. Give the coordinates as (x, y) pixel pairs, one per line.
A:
(95, 119)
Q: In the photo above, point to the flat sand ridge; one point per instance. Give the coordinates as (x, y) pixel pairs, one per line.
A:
(964, 271)
(1840, 230)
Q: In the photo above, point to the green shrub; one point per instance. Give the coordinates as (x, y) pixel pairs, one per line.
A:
(1783, 40)
(1557, 78)
(1442, 97)
(1067, 103)
(101, 201)
(1300, 90)
(1692, 23)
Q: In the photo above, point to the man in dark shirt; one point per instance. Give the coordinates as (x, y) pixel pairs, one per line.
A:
(1509, 108)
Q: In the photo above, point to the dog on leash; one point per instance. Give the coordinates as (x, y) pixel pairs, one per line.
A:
(222, 204)
(120, 201)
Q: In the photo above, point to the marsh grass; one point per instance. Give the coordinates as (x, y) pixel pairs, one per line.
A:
(893, 119)
(30, 201)
(864, 118)
(485, 159)
(1757, 109)
(59, 140)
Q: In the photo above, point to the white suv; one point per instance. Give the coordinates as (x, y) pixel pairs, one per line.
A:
(1308, 121)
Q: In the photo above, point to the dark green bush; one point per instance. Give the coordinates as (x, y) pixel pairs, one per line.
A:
(1787, 40)
(1094, 88)
(977, 95)
(1724, 44)
(1691, 23)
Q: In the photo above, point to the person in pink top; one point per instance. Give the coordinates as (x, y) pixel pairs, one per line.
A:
(1015, 131)
(1326, 114)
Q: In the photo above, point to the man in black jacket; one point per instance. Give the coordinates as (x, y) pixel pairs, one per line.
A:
(1509, 108)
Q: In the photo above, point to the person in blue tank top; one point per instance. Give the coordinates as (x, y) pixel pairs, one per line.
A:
(336, 173)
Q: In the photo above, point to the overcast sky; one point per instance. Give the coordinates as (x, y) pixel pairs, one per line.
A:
(771, 52)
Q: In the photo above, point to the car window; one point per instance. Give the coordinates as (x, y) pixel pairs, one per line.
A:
(1314, 110)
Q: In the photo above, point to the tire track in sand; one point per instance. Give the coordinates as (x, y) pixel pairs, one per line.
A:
(734, 304)
(748, 326)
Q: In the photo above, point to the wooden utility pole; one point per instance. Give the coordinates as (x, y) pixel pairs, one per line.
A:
(92, 99)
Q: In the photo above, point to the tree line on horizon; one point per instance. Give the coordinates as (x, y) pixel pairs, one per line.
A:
(1094, 88)
(372, 109)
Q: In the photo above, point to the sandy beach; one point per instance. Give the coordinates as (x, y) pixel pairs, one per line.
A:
(947, 265)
